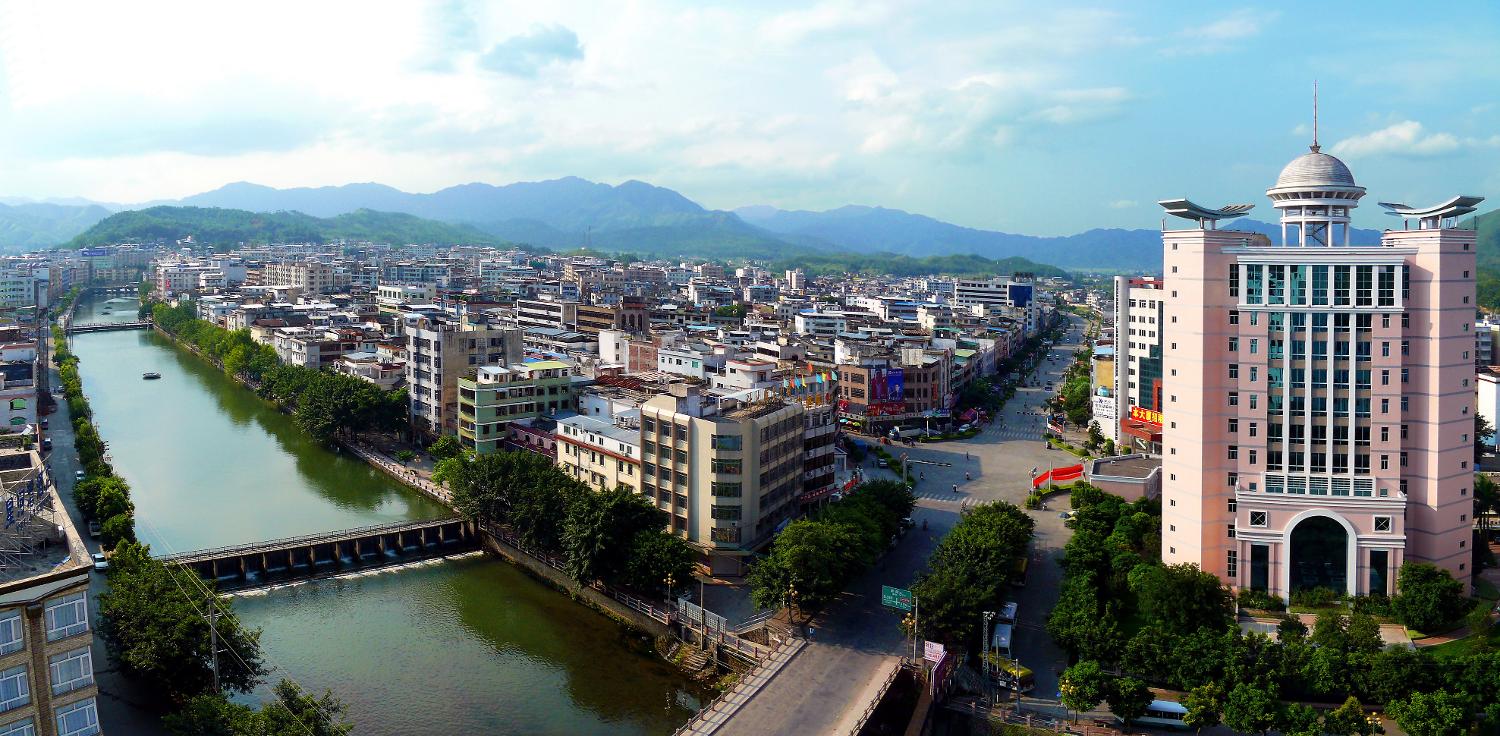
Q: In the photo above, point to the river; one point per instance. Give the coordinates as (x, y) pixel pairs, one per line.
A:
(463, 646)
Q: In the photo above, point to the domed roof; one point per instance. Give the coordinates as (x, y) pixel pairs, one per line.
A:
(1315, 169)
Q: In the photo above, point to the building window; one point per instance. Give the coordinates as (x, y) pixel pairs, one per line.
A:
(14, 689)
(1233, 505)
(1234, 425)
(23, 727)
(1258, 518)
(78, 719)
(67, 616)
(1383, 524)
(1234, 370)
(725, 490)
(1230, 530)
(71, 671)
(11, 637)
(1232, 564)
(1234, 452)
(730, 513)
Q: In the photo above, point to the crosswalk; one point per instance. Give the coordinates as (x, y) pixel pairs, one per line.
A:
(1015, 434)
(963, 500)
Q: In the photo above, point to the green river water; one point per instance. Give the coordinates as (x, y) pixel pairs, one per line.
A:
(468, 646)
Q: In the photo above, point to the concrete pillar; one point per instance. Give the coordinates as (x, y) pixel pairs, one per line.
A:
(214, 567)
(243, 568)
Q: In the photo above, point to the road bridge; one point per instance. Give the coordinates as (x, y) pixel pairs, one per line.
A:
(260, 564)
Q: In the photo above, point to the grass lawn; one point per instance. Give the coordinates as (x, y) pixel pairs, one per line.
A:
(1466, 646)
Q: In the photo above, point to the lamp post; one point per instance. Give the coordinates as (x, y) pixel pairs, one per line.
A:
(984, 651)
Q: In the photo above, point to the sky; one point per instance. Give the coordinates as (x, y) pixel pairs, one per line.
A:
(1041, 118)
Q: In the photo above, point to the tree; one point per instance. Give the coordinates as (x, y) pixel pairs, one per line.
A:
(153, 625)
(812, 558)
(212, 714)
(1483, 430)
(1128, 698)
(1296, 719)
(1205, 706)
(599, 530)
(445, 447)
(1349, 719)
(655, 556)
(1437, 713)
(1084, 685)
(1429, 599)
(1182, 597)
(297, 712)
(1251, 708)
(1096, 436)
(970, 570)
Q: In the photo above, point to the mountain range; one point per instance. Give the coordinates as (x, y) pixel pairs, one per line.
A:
(634, 216)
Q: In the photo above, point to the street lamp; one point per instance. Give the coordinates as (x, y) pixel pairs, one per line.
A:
(984, 651)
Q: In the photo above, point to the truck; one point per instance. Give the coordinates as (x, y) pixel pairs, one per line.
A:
(909, 433)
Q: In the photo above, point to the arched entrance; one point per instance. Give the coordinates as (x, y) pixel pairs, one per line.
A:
(1320, 555)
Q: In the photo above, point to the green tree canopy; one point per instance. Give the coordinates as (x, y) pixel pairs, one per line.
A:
(154, 626)
(1430, 598)
(1438, 713)
(1182, 598)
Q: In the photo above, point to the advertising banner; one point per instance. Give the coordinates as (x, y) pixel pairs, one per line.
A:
(932, 651)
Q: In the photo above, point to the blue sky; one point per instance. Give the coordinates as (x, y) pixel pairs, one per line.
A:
(1041, 118)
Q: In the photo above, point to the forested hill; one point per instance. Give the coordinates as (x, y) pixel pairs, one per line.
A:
(227, 227)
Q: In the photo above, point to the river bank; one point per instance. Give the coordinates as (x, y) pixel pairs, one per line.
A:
(470, 645)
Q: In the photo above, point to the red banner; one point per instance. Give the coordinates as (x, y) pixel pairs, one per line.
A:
(1055, 475)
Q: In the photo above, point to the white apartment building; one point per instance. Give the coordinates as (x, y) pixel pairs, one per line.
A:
(819, 324)
(1012, 292)
(1139, 327)
(598, 453)
(439, 351)
(309, 277)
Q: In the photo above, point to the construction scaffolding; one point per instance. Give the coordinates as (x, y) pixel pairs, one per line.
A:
(29, 530)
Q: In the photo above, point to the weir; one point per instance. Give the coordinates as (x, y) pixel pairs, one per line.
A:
(107, 327)
(259, 564)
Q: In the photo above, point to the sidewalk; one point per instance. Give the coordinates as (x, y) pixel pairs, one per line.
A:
(422, 481)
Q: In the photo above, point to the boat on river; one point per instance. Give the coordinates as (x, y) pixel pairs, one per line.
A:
(150, 376)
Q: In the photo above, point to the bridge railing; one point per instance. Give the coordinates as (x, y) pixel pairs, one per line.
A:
(320, 538)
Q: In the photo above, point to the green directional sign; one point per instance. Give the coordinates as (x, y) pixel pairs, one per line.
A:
(895, 597)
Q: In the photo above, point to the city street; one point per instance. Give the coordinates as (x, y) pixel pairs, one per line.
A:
(853, 643)
(119, 700)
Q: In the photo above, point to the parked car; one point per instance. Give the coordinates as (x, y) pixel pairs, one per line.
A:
(94, 529)
(46, 444)
(101, 563)
(881, 463)
(44, 424)
(77, 475)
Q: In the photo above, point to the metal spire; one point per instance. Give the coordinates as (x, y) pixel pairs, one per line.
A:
(1315, 117)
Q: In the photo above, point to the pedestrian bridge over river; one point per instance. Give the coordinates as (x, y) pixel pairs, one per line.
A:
(260, 564)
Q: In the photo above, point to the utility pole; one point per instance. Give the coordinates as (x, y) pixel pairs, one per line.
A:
(213, 640)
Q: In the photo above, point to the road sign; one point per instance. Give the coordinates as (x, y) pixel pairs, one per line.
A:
(895, 597)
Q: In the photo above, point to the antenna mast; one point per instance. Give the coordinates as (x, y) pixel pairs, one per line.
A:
(1315, 116)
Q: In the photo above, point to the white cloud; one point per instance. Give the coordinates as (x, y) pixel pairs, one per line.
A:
(1219, 35)
(1122, 204)
(1406, 138)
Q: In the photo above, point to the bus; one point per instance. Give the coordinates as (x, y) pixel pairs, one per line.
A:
(1018, 570)
(1011, 675)
(1162, 714)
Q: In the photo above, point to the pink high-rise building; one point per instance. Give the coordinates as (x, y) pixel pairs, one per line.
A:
(1318, 402)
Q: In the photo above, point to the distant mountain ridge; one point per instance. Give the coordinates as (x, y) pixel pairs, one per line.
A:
(35, 225)
(896, 231)
(219, 226)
